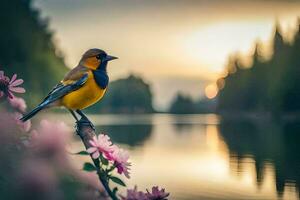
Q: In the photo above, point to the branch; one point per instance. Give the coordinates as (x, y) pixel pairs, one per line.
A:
(86, 133)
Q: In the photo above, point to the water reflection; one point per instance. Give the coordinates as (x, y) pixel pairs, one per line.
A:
(132, 135)
(199, 157)
(273, 148)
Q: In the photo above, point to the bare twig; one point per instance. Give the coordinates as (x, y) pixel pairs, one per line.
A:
(86, 133)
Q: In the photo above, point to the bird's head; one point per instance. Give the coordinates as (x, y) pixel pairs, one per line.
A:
(96, 59)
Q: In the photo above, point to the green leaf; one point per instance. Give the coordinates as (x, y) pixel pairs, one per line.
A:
(89, 167)
(117, 180)
(115, 190)
(103, 160)
(110, 169)
(83, 153)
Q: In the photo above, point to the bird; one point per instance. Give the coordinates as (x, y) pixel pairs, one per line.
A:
(81, 87)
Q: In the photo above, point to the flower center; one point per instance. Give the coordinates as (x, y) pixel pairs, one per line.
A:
(4, 85)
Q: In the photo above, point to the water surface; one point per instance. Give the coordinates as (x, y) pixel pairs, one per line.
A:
(205, 157)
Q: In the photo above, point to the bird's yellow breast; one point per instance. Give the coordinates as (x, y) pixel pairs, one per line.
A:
(85, 96)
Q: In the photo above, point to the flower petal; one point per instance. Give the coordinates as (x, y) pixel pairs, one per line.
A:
(10, 94)
(13, 78)
(16, 82)
(93, 143)
(17, 89)
(27, 125)
(91, 149)
(96, 155)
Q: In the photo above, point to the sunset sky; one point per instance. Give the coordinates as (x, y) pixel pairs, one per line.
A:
(176, 45)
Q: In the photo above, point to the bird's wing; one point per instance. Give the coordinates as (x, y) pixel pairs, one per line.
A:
(72, 81)
(74, 74)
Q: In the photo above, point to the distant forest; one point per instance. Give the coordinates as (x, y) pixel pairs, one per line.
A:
(271, 86)
(126, 95)
(184, 104)
(26, 48)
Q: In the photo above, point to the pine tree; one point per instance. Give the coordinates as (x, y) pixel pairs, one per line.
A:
(291, 93)
(271, 86)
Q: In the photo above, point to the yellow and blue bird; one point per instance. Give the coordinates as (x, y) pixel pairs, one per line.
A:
(81, 87)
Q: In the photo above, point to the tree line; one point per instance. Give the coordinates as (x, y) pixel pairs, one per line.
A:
(268, 85)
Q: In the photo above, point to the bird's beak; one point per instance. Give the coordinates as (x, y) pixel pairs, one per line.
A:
(109, 58)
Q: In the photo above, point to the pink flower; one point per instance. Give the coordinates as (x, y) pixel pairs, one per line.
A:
(14, 85)
(24, 126)
(18, 103)
(50, 139)
(120, 158)
(7, 86)
(100, 144)
(134, 194)
(157, 194)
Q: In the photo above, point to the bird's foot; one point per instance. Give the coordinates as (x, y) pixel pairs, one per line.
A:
(84, 121)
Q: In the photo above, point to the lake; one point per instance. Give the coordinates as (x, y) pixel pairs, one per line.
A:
(207, 157)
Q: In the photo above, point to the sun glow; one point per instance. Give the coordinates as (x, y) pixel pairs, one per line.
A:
(212, 45)
(211, 91)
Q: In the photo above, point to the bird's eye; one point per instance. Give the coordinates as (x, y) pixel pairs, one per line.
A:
(98, 57)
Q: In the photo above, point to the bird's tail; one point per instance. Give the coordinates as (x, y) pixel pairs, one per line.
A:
(33, 112)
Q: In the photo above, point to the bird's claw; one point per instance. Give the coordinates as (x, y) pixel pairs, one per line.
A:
(84, 122)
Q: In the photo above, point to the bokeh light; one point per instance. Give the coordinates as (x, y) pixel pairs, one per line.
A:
(211, 91)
